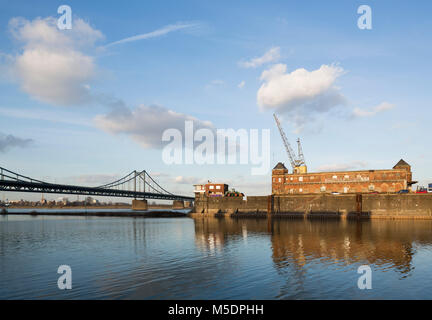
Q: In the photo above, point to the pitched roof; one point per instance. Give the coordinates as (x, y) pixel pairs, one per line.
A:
(401, 163)
(280, 165)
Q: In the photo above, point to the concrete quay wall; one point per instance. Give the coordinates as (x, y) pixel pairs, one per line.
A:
(411, 206)
(399, 205)
(213, 205)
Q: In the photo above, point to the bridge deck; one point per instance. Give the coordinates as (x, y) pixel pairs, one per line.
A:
(23, 186)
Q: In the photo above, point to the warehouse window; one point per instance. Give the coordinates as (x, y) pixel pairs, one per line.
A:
(334, 177)
(217, 187)
(300, 178)
(211, 187)
(280, 180)
(323, 189)
(300, 190)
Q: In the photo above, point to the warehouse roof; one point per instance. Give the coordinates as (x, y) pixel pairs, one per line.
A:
(401, 163)
(280, 165)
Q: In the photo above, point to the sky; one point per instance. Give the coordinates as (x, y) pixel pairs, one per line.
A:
(89, 104)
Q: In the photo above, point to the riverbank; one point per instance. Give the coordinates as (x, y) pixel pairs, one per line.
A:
(310, 216)
(368, 206)
(89, 207)
(97, 212)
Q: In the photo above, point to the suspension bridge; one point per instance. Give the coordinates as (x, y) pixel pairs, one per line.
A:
(136, 185)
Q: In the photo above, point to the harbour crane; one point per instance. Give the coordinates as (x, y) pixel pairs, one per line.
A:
(297, 162)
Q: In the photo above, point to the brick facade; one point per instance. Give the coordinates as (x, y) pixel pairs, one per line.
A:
(211, 189)
(388, 180)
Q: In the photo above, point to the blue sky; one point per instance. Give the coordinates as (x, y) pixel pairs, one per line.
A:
(376, 85)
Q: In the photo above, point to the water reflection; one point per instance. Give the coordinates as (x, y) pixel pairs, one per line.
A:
(213, 258)
(384, 243)
(211, 234)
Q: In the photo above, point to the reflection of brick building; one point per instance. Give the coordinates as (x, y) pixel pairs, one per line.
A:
(390, 180)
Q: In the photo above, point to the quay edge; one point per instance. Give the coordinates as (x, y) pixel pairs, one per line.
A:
(371, 206)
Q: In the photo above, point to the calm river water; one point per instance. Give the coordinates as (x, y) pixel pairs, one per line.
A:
(185, 258)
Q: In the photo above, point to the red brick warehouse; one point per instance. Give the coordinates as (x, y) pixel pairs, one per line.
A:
(387, 180)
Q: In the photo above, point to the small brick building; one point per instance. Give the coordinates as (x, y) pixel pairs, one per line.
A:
(388, 180)
(211, 189)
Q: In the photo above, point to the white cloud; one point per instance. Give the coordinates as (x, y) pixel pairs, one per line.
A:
(94, 179)
(282, 90)
(10, 141)
(44, 32)
(44, 115)
(343, 166)
(403, 125)
(52, 66)
(253, 188)
(159, 174)
(54, 77)
(145, 124)
(271, 55)
(301, 94)
(57, 67)
(214, 84)
(189, 180)
(241, 84)
(157, 33)
(217, 82)
(384, 106)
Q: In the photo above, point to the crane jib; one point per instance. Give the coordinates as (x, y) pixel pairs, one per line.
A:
(296, 161)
